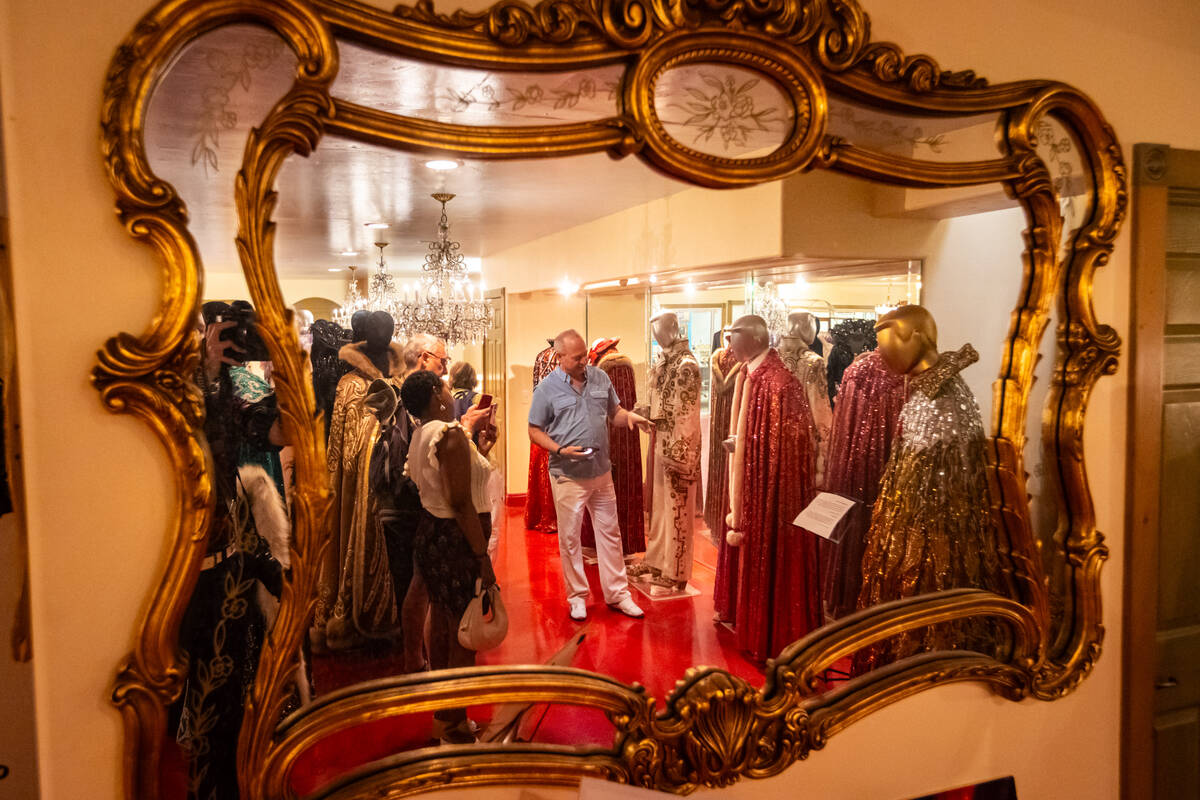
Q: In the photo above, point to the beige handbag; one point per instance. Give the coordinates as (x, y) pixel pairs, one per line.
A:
(485, 622)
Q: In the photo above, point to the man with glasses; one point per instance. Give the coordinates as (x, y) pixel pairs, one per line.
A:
(569, 417)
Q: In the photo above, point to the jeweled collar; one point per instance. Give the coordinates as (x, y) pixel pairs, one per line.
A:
(931, 381)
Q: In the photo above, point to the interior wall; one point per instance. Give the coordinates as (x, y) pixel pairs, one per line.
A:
(232, 286)
(533, 317)
(694, 227)
(101, 496)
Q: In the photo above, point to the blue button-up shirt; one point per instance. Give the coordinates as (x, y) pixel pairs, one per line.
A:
(579, 418)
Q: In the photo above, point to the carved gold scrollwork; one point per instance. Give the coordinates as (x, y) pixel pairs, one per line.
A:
(714, 727)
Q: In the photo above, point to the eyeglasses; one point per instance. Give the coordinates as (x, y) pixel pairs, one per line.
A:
(444, 359)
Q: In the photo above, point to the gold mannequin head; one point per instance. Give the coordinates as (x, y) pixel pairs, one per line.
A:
(907, 338)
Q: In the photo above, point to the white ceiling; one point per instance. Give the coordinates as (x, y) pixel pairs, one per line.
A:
(226, 81)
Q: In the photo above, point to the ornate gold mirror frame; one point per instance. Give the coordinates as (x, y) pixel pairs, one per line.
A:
(715, 727)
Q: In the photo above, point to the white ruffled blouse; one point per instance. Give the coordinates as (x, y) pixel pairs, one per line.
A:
(422, 466)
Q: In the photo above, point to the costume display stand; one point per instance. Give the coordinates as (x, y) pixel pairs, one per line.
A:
(539, 500)
(771, 480)
(625, 452)
(865, 423)
(356, 598)
(931, 528)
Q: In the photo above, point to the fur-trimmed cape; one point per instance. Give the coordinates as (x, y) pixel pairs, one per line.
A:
(355, 354)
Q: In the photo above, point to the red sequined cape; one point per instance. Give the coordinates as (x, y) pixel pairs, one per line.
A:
(539, 502)
(779, 587)
(625, 451)
(866, 419)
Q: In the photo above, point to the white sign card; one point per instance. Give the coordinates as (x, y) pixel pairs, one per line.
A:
(824, 513)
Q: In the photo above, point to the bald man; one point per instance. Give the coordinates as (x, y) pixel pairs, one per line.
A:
(569, 417)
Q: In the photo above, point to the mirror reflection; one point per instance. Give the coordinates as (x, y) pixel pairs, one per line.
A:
(573, 408)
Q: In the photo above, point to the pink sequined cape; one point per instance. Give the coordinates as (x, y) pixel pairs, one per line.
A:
(866, 419)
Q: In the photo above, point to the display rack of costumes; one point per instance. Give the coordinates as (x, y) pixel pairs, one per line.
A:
(771, 480)
(539, 502)
(723, 382)
(809, 368)
(356, 597)
(327, 368)
(625, 452)
(850, 338)
(864, 424)
(932, 528)
(674, 461)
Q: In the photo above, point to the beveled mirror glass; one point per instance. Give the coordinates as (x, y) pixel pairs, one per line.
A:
(648, 176)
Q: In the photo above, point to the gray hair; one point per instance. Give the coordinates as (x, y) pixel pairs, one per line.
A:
(569, 335)
(415, 347)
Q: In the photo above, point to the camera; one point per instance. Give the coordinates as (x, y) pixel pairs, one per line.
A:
(244, 333)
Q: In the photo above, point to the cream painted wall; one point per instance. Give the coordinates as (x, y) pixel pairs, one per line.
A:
(232, 286)
(532, 318)
(100, 496)
(694, 227)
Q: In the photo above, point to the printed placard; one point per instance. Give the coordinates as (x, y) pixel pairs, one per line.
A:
(823, 514)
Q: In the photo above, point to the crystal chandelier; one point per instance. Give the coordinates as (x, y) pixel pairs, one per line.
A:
(772, 308)
(354, 302)
(445, 303)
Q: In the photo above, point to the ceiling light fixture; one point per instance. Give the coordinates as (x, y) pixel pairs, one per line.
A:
(348, 253)
(377, 225)
(353, 303)
(446, 303)
(442, 164)
(567, 287)
(335, 269)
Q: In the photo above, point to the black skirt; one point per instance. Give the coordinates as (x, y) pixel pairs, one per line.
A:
(444, 557)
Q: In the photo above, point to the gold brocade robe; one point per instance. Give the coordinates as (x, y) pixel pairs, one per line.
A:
(810, 369)
(356, 597)
(932, 527)
(674, 463)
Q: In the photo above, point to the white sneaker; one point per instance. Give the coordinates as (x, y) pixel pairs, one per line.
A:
(629, 608)
(578, 608)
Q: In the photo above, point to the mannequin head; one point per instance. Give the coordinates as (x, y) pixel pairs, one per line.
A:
(907, 339)
(378, 330)
(749, 337)
(572, 352)
(665, 327)
(358, 326)
(802, 325)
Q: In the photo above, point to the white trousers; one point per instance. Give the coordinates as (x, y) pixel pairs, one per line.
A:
(571, 497)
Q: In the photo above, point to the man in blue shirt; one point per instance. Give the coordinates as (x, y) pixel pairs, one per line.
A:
(569, 417)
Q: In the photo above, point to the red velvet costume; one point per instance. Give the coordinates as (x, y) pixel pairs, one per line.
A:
(779, 587)
(722, 378)
(625, 452)
(540, 514)
(865, 420)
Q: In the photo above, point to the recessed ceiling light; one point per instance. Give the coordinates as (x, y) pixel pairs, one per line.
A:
(377, 225)
(348, 253)
(335, 269)
(442, 164)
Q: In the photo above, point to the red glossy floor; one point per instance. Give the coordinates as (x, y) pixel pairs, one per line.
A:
(654, 651)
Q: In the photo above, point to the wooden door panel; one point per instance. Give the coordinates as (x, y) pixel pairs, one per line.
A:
(1177, 755)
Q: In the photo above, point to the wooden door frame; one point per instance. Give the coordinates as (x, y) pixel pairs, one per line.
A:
(1156, 169)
